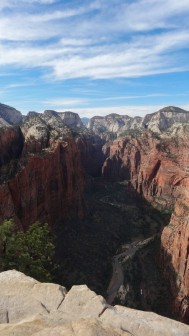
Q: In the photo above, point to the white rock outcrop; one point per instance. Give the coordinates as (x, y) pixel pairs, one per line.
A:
(31, 308)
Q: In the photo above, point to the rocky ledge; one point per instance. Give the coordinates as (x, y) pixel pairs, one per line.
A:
(31, 308)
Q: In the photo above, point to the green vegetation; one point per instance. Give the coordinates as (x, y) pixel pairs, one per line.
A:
(30, 252)
(131, 132)
(156, 135)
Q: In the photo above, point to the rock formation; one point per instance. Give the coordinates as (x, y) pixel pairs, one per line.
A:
(163, 119)
(11, 144)
(174, 254)
(9, 115)
(43, 164)
(157, 169)
(113, 125)
(28, 307)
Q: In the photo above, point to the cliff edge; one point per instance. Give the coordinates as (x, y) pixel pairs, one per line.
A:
(31, 308)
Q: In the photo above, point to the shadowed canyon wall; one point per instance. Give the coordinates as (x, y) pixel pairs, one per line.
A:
(44, 162)
(157, 167)
(46, 185)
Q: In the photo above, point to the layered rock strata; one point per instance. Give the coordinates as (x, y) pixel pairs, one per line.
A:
(174, 255)
(48, 186)
(157, 167)
(114, 125)
(42, 167)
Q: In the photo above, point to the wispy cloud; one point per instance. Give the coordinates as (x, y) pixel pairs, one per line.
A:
(14, 3)
(96, 40)
(80, 103)
(65, 102)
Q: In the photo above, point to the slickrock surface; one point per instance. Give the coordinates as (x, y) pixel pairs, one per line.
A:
(31, 308)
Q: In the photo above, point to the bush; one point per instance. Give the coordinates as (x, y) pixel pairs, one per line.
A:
(131, 132)
(30, 252)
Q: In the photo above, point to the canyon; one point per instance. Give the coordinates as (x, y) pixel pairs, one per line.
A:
(102, 187)
(157, 168)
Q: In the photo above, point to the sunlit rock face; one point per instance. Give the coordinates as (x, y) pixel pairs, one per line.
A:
(9, 115)
(43, 164)
(28, 307)
(157, 167)
(163, 119)
(114, 125)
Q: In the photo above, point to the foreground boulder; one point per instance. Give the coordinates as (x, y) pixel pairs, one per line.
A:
(31, 308)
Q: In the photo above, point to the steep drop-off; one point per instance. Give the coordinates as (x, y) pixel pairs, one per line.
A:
(50, 171)
(31, 308)
(48, 185)
(43, 165)
(157, 168)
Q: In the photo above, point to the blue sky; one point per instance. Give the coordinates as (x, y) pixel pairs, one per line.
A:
(94, 57)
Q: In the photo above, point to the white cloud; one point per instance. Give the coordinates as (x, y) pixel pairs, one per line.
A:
(98, 46)
(66, 59)
(12, 3)
(65, 102)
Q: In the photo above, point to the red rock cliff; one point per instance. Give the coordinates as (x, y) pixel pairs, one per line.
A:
(174, 255)
(11, 144)
(158, 169)
(46, 185)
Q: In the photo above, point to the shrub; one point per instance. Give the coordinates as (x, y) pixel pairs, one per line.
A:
(30, 252)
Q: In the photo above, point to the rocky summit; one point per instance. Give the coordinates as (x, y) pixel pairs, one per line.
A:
(9, 115)
(28, 307)
(113, 125)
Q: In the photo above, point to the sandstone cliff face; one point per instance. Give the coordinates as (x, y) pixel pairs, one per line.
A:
(28, 307)
(43, 166)
(174, 256)
(158, 170)
(9, 115)
(48, 186)
(11, 144)
(155, 166)
(92, 157)
(113, 125)
(163, 119)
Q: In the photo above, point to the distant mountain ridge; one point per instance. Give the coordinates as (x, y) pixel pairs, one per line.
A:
(9, 115)
(114, 125)
(108, 127)
(52, 166)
